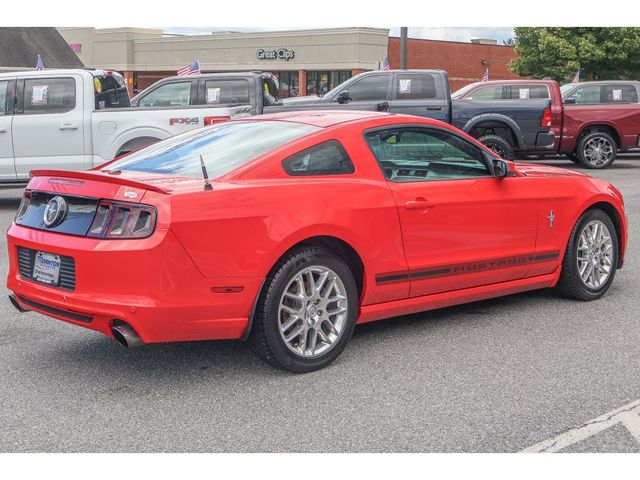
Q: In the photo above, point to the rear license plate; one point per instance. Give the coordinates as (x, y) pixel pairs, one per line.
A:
(46, 268)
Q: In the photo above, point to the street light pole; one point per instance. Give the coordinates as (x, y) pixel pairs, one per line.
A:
(403, 47)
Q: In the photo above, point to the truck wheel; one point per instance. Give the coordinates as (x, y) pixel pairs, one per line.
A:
(306, 312)
(597, 150)
(591, 258)
(498, 144)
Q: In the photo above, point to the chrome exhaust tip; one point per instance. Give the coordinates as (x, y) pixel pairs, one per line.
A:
(15, 303)
(125, 335)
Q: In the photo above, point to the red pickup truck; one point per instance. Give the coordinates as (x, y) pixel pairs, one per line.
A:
(591, 121)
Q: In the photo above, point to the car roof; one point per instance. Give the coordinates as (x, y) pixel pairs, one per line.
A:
(605, 82)
(514, 82)
(324, 118)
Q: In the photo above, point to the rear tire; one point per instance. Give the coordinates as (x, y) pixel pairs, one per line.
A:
(296, 326)
(597, 150)
(498, 144)
(585, 254)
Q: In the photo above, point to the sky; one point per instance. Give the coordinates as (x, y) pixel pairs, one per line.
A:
(457, 34)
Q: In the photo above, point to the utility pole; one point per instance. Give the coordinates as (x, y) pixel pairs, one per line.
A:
(403, 47)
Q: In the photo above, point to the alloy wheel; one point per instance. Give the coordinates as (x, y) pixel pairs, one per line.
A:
(313, 310)
(598, 151)
(595, 254)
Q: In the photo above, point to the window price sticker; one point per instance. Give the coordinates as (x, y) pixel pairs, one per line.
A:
(617, 95)
(213, 95)
(40, 95)
(525, 94)
(405, 85)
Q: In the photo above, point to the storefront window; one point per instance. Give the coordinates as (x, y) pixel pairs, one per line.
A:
(288, 84)
(320, 82)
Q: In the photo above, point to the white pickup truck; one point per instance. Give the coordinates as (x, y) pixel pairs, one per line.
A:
(77, 119)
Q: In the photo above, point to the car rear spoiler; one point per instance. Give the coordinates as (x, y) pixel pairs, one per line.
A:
(97, 178)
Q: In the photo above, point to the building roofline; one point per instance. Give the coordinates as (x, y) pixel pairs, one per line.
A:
(453, 41)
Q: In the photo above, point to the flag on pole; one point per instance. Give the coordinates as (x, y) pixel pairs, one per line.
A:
(485, 77)
(576, 77)
(191, 69)
(385, 64)
(39, 63)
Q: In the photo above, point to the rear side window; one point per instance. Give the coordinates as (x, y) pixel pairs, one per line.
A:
(328, 158)
(486, 93)
(226, 91)
(176, 94)
(415, 86)
(370, 88)
(49, 95)
(526, 92)
(3, 97)
(111, 92)
(619, 94)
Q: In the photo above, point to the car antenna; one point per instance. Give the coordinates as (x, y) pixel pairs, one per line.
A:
(207, 183)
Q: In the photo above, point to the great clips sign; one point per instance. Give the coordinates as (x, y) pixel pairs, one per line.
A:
(278, 54)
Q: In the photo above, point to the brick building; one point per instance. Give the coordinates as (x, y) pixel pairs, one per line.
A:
(465, 62)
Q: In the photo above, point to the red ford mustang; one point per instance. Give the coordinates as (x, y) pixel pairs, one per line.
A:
(290, 229)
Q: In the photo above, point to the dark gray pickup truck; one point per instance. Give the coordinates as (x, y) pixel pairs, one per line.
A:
(510, 127)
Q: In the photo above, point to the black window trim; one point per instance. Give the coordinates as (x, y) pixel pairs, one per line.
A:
(20, 90)
(331, 140)
(426, 127)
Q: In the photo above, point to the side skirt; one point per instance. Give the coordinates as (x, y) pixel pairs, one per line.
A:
(407, 306)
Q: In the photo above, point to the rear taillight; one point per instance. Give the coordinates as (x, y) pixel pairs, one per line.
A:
(123, 220)
(212, 120)
(24, 206)
(547, 117)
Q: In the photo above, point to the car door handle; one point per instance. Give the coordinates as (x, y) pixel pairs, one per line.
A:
(433, 108)
(68, 126)
(3, 130)
(419, 204)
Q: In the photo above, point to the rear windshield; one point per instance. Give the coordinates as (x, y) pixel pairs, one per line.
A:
(223, 148)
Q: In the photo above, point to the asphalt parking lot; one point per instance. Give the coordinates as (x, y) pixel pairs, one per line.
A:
(528, 371)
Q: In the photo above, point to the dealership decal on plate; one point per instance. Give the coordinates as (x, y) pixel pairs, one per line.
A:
(46, 268)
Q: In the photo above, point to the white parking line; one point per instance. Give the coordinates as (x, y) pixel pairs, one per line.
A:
(628, 416)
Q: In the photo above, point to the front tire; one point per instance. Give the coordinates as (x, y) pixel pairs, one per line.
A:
(498, 144)
(306, 311)
(597, 150)
(591, 258)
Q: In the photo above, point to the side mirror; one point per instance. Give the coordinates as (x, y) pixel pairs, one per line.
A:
(343, 97)
(500, 168)
(569, 100)
(383, 107)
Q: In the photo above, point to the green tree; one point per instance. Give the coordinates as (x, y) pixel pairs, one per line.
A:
(558, 52)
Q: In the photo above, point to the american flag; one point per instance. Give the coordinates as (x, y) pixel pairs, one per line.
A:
(485, 77)
(385, 64)
(39, 63)
(576, 77)
(191, 69)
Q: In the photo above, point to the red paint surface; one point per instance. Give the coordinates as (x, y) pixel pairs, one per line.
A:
(174, 285)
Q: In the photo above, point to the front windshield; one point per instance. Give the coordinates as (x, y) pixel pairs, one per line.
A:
(461, 92)
(223, 148)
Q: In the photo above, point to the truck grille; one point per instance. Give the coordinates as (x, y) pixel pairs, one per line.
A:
(26, 258)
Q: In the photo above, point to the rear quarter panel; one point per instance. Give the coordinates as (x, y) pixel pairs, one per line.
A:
(243, 226)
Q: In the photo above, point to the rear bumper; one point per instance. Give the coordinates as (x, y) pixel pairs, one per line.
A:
(151, 284)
